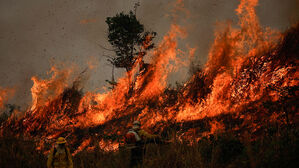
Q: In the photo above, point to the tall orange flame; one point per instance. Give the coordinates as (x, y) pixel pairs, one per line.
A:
(243, 71)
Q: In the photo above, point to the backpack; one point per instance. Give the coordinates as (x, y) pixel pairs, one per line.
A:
(54, 152)
(132, 137)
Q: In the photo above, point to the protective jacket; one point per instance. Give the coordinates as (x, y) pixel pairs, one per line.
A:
(60, 159)
(135, 140)
(137, 136)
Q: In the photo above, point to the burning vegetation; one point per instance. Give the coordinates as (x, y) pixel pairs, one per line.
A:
(248, 85)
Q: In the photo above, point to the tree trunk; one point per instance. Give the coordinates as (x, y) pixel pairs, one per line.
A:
(130, 90)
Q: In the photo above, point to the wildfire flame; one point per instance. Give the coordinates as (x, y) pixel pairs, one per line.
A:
(247, 66)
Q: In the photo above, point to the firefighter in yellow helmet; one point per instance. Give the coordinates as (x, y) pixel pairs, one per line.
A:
(60, 156)
(136, 138)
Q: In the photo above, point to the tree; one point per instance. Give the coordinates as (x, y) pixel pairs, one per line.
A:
(129, 39)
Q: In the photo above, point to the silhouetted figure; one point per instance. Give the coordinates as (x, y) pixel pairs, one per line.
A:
(135, 139)
(60, 156)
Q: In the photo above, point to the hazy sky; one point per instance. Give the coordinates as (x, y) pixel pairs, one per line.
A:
(34, 33)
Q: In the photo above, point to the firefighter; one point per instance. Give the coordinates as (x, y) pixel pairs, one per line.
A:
(60, 156)
(136, 138)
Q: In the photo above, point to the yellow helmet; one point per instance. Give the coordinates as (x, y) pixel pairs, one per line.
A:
(61, 140)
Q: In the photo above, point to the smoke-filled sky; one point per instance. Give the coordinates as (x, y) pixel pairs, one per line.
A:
(35, 34)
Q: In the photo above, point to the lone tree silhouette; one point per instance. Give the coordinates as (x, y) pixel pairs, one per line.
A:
(129, 40)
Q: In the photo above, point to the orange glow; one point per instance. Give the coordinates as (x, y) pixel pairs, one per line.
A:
(44, 91)
(86, 21)
(5, 94)
(83, 145)
(241, 74)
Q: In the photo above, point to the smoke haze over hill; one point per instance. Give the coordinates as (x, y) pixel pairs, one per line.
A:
(35, 34)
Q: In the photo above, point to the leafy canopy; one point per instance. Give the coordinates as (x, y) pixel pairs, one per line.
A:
(128, 39)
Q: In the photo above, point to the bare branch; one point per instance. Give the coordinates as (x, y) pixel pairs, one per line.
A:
(109, 56)
(105, 48)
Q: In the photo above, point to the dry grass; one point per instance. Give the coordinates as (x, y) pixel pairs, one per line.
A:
(276, 148)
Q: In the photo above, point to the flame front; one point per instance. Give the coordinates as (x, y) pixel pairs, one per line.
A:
(247, 66)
